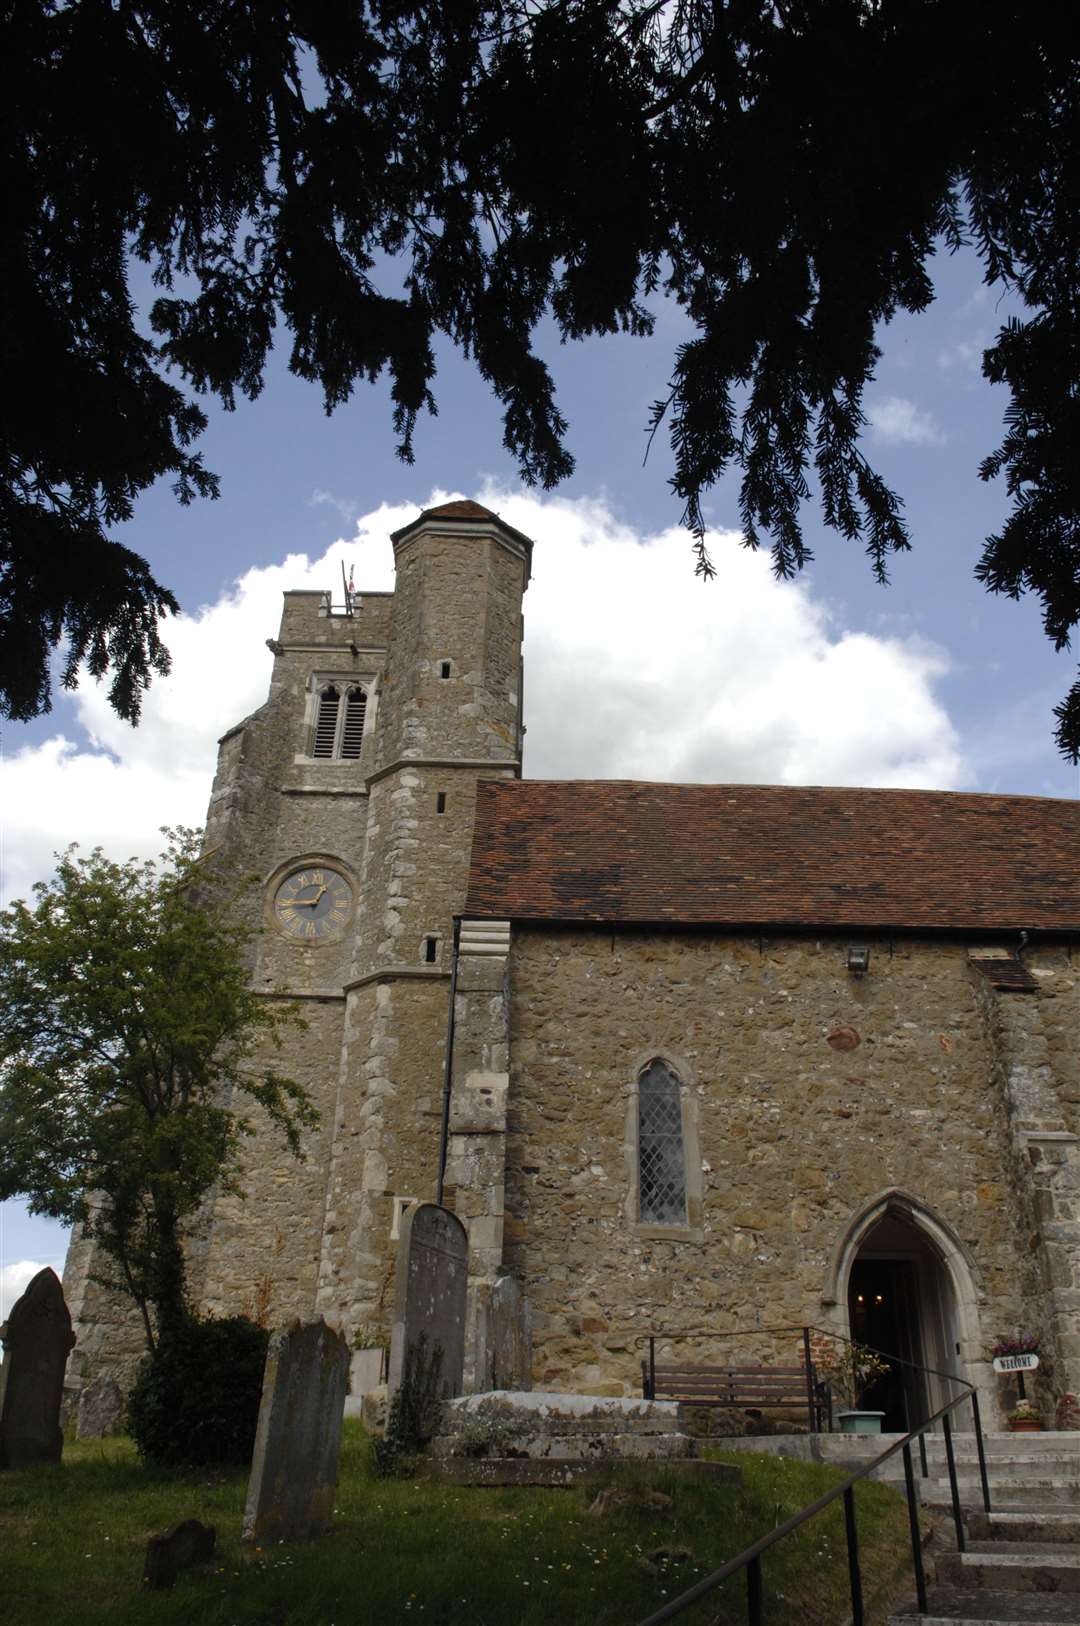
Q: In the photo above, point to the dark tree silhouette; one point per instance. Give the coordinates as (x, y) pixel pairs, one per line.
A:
(783, 170)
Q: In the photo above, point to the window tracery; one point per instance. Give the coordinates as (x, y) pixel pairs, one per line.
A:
(661, 1150)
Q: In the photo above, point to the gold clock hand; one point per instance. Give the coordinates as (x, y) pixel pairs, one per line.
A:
(308, 903)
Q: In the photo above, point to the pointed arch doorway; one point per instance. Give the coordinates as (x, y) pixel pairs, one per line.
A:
(902, 1283)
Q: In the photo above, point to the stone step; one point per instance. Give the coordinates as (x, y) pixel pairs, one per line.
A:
(1003, 1498)
(557, 1472)
(1048, 1440)
(1005, 1472)
(1019, 1567)
(1003, 1489)
(1030, 1524)
(1032, 1509)
(949, 1607)
(542, 1447)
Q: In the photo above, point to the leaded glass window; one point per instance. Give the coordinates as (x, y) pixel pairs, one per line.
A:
(661, 1158)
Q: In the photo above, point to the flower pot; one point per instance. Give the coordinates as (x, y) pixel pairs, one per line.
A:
(860, 1422)
(1026, 1425)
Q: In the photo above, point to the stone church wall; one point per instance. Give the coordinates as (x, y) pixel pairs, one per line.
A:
(814, 1091)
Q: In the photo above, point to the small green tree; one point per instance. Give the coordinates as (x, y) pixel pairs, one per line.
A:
(131, 1043)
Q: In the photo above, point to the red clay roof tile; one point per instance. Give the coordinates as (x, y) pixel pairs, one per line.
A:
(740, 855)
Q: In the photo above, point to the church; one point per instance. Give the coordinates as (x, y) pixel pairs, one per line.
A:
(702, 1062)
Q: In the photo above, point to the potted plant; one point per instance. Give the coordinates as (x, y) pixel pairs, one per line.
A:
(1013, 1357)
(850, 1369)
(1017, 1343)
(1024, 1418)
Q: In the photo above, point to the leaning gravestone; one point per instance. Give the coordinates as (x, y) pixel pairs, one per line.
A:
(298, 1437)
(37, 1342)
(430, 1292)
(101, 1409)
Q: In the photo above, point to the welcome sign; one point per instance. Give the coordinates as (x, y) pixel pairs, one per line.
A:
(1015, 1363)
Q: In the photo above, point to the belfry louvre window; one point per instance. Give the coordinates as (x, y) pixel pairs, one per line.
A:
(326, 722)
(661, 1156)
(339, 730)
(352, 733)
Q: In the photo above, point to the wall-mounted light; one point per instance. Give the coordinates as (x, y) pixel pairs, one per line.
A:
(858, 959)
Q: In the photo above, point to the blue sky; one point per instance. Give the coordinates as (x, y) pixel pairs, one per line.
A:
(929, 681)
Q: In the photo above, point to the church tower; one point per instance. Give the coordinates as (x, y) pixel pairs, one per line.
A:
(449, 715)
(350, 796)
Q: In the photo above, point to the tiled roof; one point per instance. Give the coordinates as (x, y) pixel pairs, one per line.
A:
(757, 855)
(464, 508)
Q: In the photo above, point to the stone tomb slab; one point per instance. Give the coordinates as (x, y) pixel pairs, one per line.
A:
(430, 1292)
(294, 1467)
(37, 1342)
(556, 1475)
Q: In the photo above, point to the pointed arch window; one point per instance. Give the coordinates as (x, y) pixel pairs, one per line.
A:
(661, 1151)
(339, 729)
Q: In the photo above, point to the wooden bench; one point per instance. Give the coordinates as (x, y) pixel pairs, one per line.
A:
(788, 1388)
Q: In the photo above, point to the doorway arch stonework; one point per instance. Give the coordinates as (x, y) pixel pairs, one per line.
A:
(957, 1265)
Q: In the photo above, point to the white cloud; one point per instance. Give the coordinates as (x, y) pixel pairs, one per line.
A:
(634, 669)
(15, 1279)
(131, 781)
(895, 420)
(965, 355)
(345, 506)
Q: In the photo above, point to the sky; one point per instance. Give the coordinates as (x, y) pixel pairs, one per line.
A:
(634, 669)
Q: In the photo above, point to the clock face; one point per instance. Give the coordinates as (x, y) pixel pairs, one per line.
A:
(312, 905)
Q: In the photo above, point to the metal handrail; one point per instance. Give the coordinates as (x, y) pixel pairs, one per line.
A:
(805, 1328)
(750, 1558)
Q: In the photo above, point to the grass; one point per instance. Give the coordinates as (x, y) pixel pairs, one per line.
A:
(72, 1539)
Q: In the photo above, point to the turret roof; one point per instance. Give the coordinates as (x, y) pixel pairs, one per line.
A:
(464, 509)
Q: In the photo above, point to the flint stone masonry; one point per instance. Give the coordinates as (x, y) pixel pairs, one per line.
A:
(432, 1277)
(101, 1409)
(37, 1342)
(294, 1466)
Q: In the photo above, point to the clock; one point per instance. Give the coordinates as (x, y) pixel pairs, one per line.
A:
(313, 904)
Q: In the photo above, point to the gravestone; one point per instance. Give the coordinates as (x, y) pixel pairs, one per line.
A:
(101, 1409)
(510, 1336)
(430, 1292)
(178, 1549)
(37, 1342)
(298, 1437)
